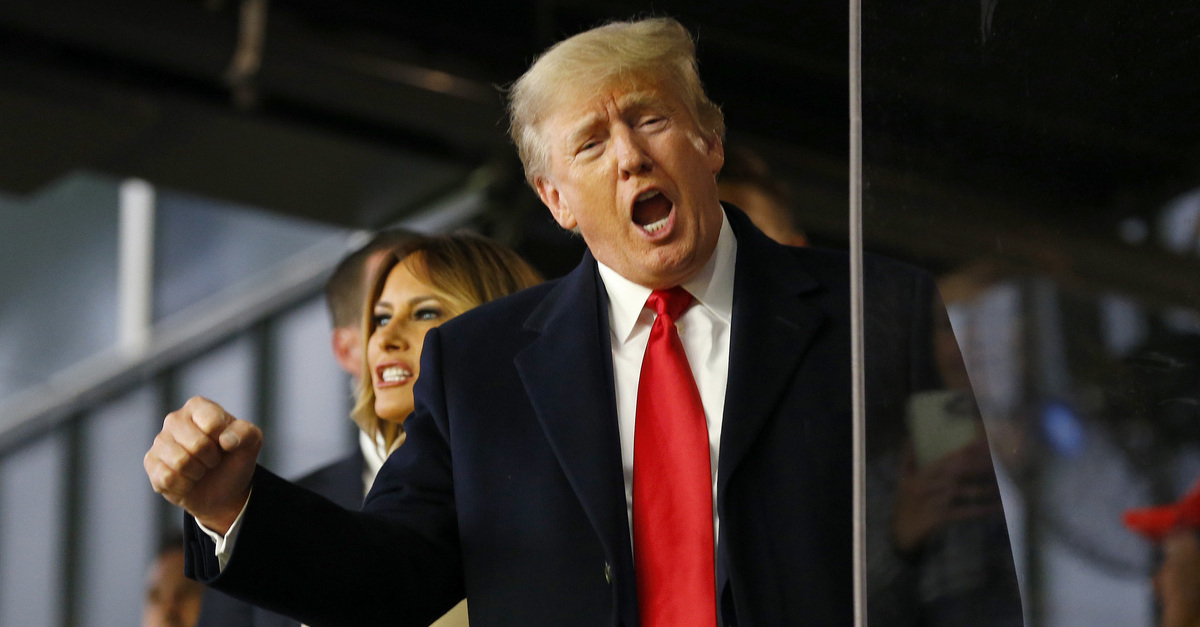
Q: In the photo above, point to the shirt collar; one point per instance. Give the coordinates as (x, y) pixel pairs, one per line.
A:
(712, 287)
(374, 453)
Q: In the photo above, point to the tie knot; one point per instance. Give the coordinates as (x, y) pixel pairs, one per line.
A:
(670, 302)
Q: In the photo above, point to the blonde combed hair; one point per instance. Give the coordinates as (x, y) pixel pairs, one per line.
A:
(466, 270)
(656, 50)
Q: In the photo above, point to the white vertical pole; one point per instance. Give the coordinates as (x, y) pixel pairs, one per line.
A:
(136, 265)
(858, 380)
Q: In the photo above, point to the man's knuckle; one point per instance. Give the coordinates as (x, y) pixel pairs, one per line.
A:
(192, 471)
(177, 459)
(208, 419)
(190, 441)
(162, 440)
(160, 478)
(176, 483)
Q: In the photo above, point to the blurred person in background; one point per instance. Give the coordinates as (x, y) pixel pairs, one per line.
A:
(171, 600)
(746, 181)
(938, 553)
(1175, 530)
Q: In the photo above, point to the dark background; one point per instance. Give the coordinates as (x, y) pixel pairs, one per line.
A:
(1010, 125)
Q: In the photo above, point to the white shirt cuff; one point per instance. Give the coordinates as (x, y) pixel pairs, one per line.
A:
(225, 543)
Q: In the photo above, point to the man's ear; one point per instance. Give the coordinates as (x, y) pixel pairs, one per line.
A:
(715, 153)
(555, 203)
(347, 349)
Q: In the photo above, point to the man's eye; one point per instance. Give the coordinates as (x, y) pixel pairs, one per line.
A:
(380, 320)
(653, 121)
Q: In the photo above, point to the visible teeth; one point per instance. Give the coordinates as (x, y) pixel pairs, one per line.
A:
(394, 374)
(647, 195)
(654, 226)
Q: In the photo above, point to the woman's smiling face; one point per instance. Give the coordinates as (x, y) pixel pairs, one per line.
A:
(407, 308)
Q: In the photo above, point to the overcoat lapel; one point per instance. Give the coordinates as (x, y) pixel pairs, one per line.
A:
(567, 373)
(771, 330)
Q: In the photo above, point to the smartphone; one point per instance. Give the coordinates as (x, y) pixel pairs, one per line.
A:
(941, 422)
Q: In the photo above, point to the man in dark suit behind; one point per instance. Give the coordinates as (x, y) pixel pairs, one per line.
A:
(516, 485)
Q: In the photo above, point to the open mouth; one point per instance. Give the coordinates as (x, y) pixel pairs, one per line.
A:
(652, 211)
(394, 374)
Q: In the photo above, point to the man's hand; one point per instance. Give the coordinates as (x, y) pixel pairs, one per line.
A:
(203, 460)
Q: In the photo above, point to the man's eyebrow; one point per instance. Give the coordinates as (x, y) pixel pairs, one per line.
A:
(640, 100)
(583, 128)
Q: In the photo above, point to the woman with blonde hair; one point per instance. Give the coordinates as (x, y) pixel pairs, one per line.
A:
(424, 282)
(418, 286)
(412, 284)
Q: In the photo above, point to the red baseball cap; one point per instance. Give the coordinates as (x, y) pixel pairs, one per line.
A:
(1157, 522)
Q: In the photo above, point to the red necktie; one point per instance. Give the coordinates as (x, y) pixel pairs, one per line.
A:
(672, 481)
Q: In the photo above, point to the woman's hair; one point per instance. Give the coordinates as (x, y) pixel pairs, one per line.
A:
(345, 286)
(466, 270)
(658, 50)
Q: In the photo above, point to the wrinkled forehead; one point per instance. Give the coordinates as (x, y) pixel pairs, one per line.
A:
(588, 109)
(576, 106)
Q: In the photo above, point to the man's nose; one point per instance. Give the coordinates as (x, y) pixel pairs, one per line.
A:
(632, 157)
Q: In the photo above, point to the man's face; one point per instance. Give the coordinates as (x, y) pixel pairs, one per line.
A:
(769, 215)
(347, 341)
(1178, 580)
(172, 600)
(632, 171)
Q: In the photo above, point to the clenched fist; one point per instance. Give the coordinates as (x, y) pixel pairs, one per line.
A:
(203, 460)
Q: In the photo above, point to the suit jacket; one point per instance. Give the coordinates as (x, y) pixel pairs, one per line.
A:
(340, 482)
(509, 488)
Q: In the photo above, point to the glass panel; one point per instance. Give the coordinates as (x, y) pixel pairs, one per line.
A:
(32, 534)
(119, 507)
(67, 232)
(206, 246)
(1039, 161)
(311, 425)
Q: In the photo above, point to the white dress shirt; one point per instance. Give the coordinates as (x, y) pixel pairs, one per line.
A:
(374, 454)
(704, 332)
